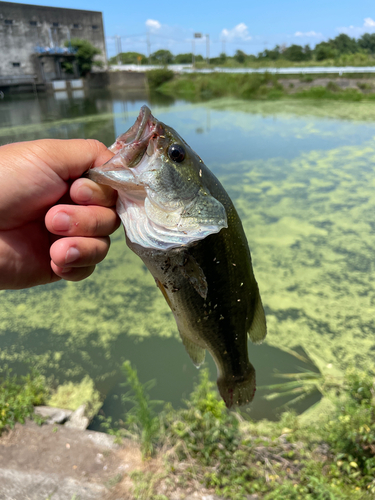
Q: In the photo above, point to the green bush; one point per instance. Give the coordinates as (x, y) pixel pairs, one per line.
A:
(157, 77)
(18, 396)
(351, 433)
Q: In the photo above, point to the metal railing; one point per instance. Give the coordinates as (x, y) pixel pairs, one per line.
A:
(187, 68)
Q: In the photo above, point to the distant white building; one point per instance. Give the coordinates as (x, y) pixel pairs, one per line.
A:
(33, 38)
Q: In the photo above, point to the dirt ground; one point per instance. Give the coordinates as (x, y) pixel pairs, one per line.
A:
(53, 462)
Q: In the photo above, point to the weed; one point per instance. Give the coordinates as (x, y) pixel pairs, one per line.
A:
(18, 396)
(141, 418)
(306, 78)
(157, 77)
(114, 480)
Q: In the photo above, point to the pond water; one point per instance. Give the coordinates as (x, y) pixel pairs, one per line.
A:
(301, 175)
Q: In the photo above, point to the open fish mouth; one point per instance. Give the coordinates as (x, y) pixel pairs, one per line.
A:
(145, 128)
(131, 146)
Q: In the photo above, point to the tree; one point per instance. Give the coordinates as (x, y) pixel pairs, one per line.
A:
(344, 44)
(184, 58)
(162, 57)
(272, 55)
(84, 53)
(324, 50)
(297, 53)
(367, 42)
(240, 56)
(129, 58)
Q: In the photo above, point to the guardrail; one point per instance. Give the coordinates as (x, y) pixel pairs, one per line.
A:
(188, 68)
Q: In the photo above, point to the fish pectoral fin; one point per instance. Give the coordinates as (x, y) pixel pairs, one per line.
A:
(258, 328)
(196, 353)
(192, 271)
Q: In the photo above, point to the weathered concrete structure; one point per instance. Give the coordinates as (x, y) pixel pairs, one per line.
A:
(33, 38)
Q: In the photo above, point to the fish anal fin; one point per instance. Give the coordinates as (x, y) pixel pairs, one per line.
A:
(192, 271)
(196, 353)
(164, 292)
(258, 328)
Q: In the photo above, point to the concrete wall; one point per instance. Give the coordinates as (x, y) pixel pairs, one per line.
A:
(23, 27)
(117, 79)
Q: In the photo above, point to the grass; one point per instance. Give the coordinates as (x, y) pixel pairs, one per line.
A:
(198, 86)
(206, 448)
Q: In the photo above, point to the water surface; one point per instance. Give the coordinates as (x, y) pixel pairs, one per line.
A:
(302, 178)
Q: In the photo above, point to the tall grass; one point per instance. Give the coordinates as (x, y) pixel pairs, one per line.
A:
(141, 418)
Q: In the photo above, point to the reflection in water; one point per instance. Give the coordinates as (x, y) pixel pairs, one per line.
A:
(302, 181)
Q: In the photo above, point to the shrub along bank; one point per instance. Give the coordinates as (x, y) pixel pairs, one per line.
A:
(200, 86)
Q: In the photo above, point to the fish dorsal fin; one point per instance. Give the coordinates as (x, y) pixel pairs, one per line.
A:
(258, 328)
(196, 353)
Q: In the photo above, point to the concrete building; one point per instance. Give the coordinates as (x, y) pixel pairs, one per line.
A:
(32, 41)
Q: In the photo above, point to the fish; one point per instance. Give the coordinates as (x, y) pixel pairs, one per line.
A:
(180, 221)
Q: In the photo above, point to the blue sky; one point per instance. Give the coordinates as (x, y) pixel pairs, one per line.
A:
(231, 25)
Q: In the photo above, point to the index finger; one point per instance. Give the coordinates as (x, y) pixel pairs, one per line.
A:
(69, 159)
(86, 192)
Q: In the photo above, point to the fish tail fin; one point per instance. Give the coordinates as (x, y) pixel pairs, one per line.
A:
(237, 390)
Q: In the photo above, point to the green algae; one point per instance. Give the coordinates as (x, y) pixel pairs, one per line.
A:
(353, 111)
(71, 396)
(312, 239)
(309, 219)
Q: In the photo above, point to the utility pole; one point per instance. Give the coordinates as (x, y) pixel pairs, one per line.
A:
(148, 47)
(193, 53)
(208, 49)
(196, 35)
(223, 45)
(118, 49)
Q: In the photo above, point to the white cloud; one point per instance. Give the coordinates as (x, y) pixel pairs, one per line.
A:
(153, 24)
(239, 32)
(308, 33)
(368, 25)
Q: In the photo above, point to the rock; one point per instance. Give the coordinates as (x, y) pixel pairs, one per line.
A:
(78, 420)
(53, 415)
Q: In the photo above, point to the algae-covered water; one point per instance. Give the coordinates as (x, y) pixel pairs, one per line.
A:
(302, 176)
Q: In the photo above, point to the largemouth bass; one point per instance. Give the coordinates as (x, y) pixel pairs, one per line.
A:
(180, 221)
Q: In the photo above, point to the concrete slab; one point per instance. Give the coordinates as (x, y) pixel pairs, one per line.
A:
(21, 485)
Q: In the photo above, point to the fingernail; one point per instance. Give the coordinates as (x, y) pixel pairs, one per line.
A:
(66, 270)
(71, 255)
(61, 221)
(85, 193)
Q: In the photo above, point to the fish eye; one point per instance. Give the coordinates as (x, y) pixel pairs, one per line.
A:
(176, 153)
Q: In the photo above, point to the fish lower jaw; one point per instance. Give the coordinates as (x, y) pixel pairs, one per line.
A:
(237, 390)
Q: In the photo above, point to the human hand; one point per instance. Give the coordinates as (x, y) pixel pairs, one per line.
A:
(53, 225)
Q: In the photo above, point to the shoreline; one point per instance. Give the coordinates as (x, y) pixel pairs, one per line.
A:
(261, 86)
